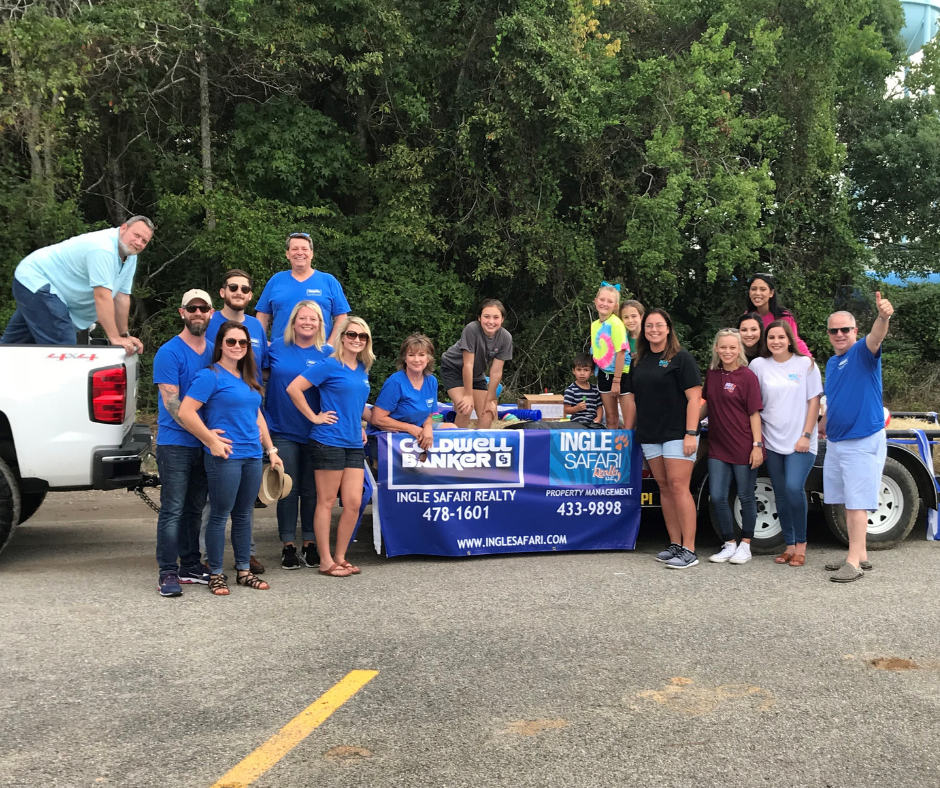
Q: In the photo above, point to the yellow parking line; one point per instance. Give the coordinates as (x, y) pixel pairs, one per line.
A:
(292, 734)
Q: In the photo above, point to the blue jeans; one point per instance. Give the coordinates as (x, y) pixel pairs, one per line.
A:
(297, 465)
(719, 483)
(233, 487)
(41, 318)
(788, 474)
(182, 495)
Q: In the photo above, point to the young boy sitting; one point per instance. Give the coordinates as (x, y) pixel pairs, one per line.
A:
(582, 399)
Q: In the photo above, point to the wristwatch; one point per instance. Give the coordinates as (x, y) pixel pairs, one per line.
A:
(758, 444)
(693, 433)
(807, 435)
(125, 335)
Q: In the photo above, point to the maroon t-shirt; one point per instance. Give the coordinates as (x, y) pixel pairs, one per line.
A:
(732, 398)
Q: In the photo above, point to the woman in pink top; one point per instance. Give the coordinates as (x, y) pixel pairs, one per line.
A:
(762, 298)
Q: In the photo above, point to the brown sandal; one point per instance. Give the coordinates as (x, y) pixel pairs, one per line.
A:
(353, 570)
(251, 580)
(217, 585)
(335, 570)
(784, 558)
(798, 560)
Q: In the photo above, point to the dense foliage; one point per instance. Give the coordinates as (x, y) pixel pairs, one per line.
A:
(445, 151)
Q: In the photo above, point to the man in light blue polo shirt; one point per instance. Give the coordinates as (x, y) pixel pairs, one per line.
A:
(64, 288)
(854, 426)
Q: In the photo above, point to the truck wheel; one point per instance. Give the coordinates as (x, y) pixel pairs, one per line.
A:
(9, 503)
(29, 503)
(768, 535)
(898, 505)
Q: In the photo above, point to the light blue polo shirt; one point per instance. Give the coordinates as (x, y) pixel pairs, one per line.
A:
(282, 293)
(74, 267)
(406, 403)
(854, 402)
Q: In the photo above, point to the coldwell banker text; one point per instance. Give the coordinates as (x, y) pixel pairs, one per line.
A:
(458, 453)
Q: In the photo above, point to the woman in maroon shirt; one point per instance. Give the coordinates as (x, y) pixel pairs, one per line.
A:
(733, 405)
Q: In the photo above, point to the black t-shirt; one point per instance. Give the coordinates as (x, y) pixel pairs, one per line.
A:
(658, 388)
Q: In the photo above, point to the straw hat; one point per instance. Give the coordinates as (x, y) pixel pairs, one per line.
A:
(275, 484)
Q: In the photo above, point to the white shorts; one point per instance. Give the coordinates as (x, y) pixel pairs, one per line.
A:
(852, 471)
(671, 450)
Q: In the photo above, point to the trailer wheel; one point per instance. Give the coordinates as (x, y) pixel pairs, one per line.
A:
(30, 503)
(898, 505)
(768, 535)
(9, 503)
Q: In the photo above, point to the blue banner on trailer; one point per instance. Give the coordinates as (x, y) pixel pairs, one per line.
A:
(476, 492)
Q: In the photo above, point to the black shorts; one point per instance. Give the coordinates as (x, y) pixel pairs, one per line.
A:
(335, 458)
(605, 381)
(453, 379)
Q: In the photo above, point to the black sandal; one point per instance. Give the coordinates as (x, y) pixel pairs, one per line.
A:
(251, 580)
(217, 585)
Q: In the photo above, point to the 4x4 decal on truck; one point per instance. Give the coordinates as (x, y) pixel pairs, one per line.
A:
(64, 356)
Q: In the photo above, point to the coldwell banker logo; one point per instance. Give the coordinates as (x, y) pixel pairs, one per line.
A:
(594, 457)
(460, 462)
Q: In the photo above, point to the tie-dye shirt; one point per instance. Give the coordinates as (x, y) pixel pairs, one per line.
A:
(607, 340)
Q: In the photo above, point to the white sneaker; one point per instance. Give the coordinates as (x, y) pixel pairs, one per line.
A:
(726, 552)
(742, 555)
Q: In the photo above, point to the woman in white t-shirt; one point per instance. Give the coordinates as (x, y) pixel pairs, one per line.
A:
(790, 387)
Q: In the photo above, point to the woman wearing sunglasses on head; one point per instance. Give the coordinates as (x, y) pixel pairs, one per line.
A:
(302, 346)
(229, 396)
(762, 299)
(337, 437)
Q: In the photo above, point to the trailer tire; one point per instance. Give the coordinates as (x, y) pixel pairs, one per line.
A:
(768, 535)
(9, 503)
(898, 506)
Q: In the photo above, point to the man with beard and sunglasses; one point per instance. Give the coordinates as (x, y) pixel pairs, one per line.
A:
(67, 287)
(179, 453)
(236, 293)
(854, 426)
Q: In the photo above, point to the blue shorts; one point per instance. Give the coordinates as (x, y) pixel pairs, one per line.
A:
(852, 471)
(670, 450)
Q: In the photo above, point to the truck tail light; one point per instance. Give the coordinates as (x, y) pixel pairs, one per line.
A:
(107, 395)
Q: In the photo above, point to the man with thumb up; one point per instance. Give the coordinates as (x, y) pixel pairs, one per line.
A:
(854, 427)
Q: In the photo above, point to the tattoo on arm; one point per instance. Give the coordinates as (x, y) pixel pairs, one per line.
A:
(171, 401)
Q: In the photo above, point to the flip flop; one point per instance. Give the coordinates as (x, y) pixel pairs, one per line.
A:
(784, 558)
(335, 570)
(353, 570)
(846, 574)
(798, 560)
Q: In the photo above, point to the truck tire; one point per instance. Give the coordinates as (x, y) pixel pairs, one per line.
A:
(9, 503)
(898, 505)
(29, 503)
(768, 535)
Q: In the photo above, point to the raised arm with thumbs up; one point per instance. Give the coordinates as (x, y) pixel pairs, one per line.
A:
(880, 328)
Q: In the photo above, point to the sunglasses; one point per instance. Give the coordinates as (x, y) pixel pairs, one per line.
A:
(246, 289)
(354, 335)
(843, 329)
(300, 235)
(193, 308)
(231, 342)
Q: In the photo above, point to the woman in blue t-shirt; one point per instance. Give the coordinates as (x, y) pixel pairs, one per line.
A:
(337, 437)
(302, 346)
(409, 397)
(229, 396)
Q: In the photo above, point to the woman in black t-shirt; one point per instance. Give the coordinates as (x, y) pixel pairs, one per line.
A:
(666, 386)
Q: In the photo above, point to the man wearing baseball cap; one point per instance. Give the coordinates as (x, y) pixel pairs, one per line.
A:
(183, 485)
(65, 288)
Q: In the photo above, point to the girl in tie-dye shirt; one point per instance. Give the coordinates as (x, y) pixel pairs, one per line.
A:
(610, 352)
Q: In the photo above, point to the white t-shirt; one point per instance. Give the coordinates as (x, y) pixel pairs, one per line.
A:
(786, 390)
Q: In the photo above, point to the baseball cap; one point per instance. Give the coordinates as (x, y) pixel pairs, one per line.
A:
(192, 295)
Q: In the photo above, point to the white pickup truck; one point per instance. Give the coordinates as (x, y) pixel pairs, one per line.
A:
(66, 423)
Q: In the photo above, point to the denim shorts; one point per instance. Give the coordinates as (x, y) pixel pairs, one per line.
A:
(852, 471)
(335, 458)
(671, 450)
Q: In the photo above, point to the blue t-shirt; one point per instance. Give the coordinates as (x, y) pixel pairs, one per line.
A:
(176, 364)
(74, 267)
(344, 391)
(854, 401)
(406, 403)
(232, 405)
(286, 362)
(282, 293)
(259, 341)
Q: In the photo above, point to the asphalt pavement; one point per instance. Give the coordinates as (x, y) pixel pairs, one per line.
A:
(555, 669)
